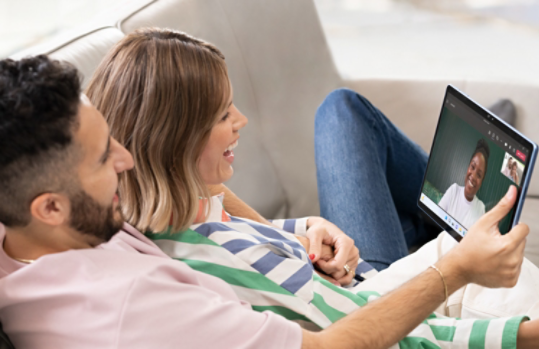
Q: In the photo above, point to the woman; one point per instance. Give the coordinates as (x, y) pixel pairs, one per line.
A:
(461, 202)
(144, 87)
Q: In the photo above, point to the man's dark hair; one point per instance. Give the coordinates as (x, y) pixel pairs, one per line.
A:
(482, 148)
(39, 100)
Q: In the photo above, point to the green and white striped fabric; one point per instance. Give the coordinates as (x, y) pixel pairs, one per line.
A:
(329, 302)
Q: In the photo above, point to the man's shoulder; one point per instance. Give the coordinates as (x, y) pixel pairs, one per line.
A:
(89, 268)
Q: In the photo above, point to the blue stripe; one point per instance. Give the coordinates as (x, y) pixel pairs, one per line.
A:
(267, 263)
(298, 254)
(268, 232)
(299, 279)
(290, 225)
(363, 267)
(280, 244)
(206, 229)
(237, 245)
(301, 254)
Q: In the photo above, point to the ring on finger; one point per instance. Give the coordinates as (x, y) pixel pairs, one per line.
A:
(347, 268)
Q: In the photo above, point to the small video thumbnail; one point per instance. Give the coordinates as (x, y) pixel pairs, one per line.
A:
(512, 168)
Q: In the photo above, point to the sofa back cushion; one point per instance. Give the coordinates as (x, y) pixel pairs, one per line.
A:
(84, 48)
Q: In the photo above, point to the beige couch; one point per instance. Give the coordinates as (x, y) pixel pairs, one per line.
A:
(281, 69)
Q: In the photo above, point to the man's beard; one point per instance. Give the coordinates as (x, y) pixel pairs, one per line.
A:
(91, 218)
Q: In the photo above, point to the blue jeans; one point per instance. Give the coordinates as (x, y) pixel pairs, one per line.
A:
(369, 178)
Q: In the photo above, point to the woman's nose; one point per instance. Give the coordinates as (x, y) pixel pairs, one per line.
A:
(240, 121)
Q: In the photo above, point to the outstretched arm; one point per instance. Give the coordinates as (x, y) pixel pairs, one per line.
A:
(386, 321)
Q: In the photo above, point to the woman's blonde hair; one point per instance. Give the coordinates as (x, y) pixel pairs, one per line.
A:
(161, 92)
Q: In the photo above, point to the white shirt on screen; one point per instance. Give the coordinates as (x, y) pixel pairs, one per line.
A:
(457, 206)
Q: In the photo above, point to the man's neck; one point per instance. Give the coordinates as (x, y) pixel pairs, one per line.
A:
(30, 243)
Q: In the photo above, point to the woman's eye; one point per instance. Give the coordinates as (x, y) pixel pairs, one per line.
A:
(224, 117)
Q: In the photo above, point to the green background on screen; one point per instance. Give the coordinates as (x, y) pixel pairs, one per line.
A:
(450, 157)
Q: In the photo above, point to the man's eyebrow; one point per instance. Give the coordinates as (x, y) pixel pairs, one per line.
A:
(106, 153)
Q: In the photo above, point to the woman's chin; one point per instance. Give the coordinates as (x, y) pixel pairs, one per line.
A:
(220, 178)
(228, 175)
(469, 194)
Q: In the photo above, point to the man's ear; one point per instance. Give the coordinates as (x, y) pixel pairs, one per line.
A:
(50, 208)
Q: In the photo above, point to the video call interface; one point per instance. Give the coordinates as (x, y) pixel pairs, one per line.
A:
(471, 167)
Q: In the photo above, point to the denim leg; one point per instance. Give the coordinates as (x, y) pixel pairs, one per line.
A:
(369, 177)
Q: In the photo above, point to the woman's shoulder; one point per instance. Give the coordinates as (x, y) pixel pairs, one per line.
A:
(454, 188)
(479, 205)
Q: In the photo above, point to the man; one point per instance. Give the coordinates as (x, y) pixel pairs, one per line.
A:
(64, 286)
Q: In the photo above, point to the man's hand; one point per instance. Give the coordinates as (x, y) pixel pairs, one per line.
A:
(487, 258)
(322, 232)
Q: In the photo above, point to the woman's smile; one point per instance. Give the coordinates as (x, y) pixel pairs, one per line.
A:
(474, 176)
(229, 154)
(215, 163)
(470, 181)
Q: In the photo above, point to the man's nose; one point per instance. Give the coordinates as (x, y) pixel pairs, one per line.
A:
(124, 160)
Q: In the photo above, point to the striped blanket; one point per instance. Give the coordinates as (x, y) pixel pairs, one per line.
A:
(268, 268)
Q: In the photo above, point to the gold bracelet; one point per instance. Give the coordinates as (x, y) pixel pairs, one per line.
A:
(443, 280)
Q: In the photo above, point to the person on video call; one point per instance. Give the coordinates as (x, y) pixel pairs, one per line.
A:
(460, 201)
(507, 170)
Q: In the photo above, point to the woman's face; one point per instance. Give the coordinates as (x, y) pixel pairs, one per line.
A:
(474, 176)
(215, 163)
(514, 168)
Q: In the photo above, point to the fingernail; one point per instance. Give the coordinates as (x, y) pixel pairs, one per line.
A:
(311, 256)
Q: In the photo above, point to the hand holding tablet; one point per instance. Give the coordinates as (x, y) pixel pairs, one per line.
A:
(497, 263)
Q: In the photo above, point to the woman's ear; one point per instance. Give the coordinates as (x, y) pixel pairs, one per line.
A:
(50, 208)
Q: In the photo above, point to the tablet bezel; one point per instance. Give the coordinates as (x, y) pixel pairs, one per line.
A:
(504, 127)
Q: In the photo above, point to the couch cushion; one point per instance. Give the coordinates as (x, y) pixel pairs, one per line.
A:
(85, 48)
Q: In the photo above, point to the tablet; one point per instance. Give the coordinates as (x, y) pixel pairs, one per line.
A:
(475, 157)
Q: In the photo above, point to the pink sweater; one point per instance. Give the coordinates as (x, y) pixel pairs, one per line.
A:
(128, 294)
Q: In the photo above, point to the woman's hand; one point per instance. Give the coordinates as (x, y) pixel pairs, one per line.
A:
(322, 232)
(326, 254)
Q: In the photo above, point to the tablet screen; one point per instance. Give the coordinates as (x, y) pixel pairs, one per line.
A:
(473, 161)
